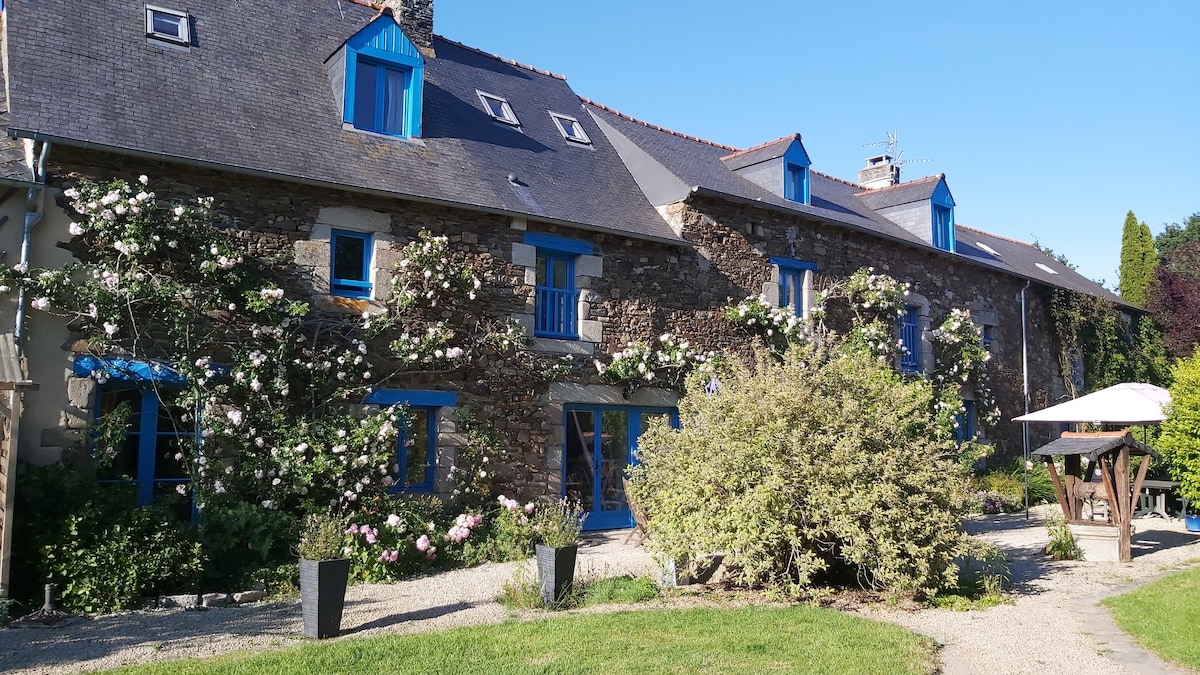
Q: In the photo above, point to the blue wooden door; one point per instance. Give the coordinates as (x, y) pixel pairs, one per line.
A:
(601, 443)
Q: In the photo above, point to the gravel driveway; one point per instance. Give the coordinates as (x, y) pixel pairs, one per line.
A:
(1053, 626)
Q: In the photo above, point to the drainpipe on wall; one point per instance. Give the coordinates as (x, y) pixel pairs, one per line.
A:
(33, 215)
(1025, 391)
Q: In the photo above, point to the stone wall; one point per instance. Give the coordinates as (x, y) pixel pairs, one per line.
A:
(643, 290)
(737, 240)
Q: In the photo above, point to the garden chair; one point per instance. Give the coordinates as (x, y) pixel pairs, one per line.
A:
(640, 519)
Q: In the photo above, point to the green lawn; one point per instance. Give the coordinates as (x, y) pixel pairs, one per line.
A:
(1164, 616)
(744, 640)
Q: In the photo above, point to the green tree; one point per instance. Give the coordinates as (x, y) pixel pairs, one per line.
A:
(1138, 260)
(1176, 235)
(1180, 437)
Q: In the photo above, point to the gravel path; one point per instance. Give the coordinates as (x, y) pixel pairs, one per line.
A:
(1053, 626)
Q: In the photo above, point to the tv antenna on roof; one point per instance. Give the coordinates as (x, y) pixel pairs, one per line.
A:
(890, 145)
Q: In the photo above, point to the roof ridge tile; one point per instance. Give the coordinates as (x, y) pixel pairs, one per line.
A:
(635, 120)
(499, 58)
(991, 234)
(760, 146)
(835, 178)
(915, 181)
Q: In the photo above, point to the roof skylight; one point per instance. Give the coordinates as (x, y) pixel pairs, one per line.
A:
(987, 248)
(168, 24)
(571, 129)
(498, 108)
(1045, 268)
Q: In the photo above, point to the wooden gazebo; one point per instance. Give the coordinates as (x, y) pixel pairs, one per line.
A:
(1111, 452)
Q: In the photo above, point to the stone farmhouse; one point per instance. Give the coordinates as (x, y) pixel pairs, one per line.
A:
(332, 132)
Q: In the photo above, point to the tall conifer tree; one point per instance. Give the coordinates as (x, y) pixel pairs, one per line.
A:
(1138, 260)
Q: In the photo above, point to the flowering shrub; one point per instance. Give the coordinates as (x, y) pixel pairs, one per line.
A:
(639, 363)
(960, 360)
(821, 466)
(779, 326)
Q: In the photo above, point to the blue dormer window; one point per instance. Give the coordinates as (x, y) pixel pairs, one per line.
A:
(942, 217)
(943, 227)
(382, 77)
(349, 264)
(795, 187)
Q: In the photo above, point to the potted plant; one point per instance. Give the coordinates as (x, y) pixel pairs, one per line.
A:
(558, 526)
(324, 571)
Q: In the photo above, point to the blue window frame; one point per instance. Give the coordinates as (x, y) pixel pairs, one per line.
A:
(556, 297)
(349, 264)
(161, 436)
(381, 95)
(987, 334)
(384, 76)
(965, 429)
(795, 186)
(943, 227)
(601, 442)
(791, 282)
(910, 338)
(416, 445)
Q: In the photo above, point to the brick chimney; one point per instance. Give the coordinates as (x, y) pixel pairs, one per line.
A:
(879, 172)
(416, 18)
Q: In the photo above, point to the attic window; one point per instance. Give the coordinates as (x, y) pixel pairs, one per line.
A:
(168, 24)
(571, 129)
(1045, 268)
(987, 248)
(498, 108)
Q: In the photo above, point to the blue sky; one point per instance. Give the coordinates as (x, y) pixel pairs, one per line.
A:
(1050, 120)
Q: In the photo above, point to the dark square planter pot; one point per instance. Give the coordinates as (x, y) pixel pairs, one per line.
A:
(322, 596)
(556, 571)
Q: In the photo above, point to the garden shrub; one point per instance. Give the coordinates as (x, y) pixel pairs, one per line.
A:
(247, 541)
(819, 467)
(101, 551)
(1062, 544)
(1179, 440)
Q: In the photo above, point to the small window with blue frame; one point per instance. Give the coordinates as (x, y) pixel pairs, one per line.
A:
(556, 297)
(416, 445)
(350, 264)
(964, 429)
(792, 275)
(910, 339)
(151, 436)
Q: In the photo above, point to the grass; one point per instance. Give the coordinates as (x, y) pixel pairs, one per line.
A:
(522, 592)
(707, 640)
(1163, 616)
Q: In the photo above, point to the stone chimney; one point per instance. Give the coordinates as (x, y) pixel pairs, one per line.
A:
(880, 172)
(416, 18)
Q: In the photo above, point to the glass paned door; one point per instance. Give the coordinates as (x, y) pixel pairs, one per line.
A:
(601, 443)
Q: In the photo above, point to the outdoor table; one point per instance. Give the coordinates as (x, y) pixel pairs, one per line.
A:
(1154, 498)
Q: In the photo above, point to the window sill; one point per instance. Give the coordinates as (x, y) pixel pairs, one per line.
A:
(403, 139)
(559, 346)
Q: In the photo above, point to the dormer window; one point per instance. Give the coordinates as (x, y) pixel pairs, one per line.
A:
(795, 187)
(571, 129)
(377, 78)
(498, 108)
(168, 24)
(943, 227)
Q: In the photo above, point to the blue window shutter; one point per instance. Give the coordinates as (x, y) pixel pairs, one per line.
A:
(910, 337)
(556, 297)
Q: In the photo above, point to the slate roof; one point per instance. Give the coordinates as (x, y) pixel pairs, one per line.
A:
(1093, 446)
(697, 166)
(251, 95)
(13, 168)
(918, 190)
(759, 153)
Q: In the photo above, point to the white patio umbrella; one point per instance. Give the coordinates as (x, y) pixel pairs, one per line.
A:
(1125, 403)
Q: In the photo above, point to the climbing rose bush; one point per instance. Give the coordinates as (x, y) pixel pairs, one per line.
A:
(821, 467)
(960, 362)
(641, 364)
